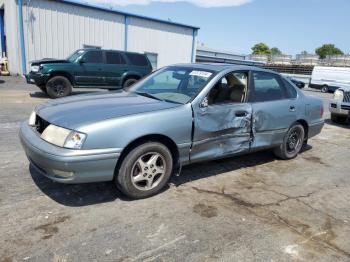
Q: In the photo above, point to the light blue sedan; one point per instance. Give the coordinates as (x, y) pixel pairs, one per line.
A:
(178, 115)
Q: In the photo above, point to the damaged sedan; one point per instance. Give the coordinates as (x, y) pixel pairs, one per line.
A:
(178, 115)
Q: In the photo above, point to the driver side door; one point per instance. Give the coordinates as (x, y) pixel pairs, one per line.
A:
(222, 123)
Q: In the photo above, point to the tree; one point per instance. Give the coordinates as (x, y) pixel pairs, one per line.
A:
(328, 49)
(261, 49)
(275, 51)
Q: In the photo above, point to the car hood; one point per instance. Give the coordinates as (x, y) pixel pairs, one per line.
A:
(76, 111)
(48, 61)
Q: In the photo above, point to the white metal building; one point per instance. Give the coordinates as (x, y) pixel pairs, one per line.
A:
(36, 29)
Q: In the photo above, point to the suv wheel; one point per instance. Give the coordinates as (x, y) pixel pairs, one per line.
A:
(338, 119)
(129, 82)
(145, 170)
(324, 89)
(58, 86)
(292, 142)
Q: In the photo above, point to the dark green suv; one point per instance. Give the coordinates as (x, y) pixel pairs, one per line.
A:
(94, 68)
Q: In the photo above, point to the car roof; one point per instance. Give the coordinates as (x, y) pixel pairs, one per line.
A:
(217, 67)
(108, 50)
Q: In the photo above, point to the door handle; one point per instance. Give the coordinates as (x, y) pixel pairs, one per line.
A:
(292, 108)
(241, 113)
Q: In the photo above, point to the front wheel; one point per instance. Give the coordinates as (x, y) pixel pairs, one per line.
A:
(145, 170)
(58, 86)
(292, 142)
(324, 89)
(129, 82)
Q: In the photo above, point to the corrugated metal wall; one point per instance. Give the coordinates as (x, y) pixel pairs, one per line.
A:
(173, 44)
(54, 29)
(12, 36)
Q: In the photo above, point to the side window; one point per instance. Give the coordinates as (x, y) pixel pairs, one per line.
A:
(114, 58)
(136, 59)
(232, 88)
(267, 87)
(94, 57)
(291, 92)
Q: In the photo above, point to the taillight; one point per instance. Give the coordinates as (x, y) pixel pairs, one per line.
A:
(322, 111)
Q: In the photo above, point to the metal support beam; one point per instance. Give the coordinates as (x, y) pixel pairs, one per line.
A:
(126, 22)
(2, 32)
(21, 35)
(193, 54)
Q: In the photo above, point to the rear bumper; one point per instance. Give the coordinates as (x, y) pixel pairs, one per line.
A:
(339, 108)
(315, 128)
(66, 165)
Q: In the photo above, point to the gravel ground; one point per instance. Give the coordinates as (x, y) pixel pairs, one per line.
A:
(248, 208)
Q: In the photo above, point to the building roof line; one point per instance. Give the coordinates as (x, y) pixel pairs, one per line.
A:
(106, 9)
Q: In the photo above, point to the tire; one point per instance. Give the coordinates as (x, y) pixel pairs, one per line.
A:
(58, 86)
(324, 89)
(156, 163)
(129, 82)
(338, 119)
(292, 142)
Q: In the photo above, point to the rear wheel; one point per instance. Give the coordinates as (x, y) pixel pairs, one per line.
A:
(324, 89)
(292, 142)
(58, 86)
(338, 119)
(145, 170)
(129, 82)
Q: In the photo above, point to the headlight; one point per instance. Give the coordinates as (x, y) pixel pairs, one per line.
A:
(339, 95)
(63, 137)
(35, 68)
(32, 119)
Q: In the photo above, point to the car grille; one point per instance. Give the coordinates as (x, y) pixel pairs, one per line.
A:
(346, 97)
(41, 124)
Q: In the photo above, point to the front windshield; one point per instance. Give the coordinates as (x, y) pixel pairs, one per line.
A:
(75, 55)
(174, 84)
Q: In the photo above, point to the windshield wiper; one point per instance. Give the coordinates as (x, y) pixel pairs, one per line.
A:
(149, 95)
(154, 97)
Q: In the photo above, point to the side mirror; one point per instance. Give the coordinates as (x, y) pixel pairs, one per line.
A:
(82, 60)
(204, 103)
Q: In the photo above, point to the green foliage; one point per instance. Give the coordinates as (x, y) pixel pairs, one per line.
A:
(275, 51)
(261, 49)
(328, 49)
(304, 52)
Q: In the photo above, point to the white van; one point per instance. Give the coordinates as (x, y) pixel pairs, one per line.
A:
(329, 79)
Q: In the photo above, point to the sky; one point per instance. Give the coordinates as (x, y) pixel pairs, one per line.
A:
(236, 25)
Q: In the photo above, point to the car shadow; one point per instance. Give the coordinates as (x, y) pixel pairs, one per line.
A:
(95, 193)
(75, 195)
(39, 94)
(331, 123)
(216, 167)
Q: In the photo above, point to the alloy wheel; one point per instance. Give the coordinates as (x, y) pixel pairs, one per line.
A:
(148, 171)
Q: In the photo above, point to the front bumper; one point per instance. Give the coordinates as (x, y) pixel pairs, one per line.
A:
(341, 108)
(37, 78)
(84, 166)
